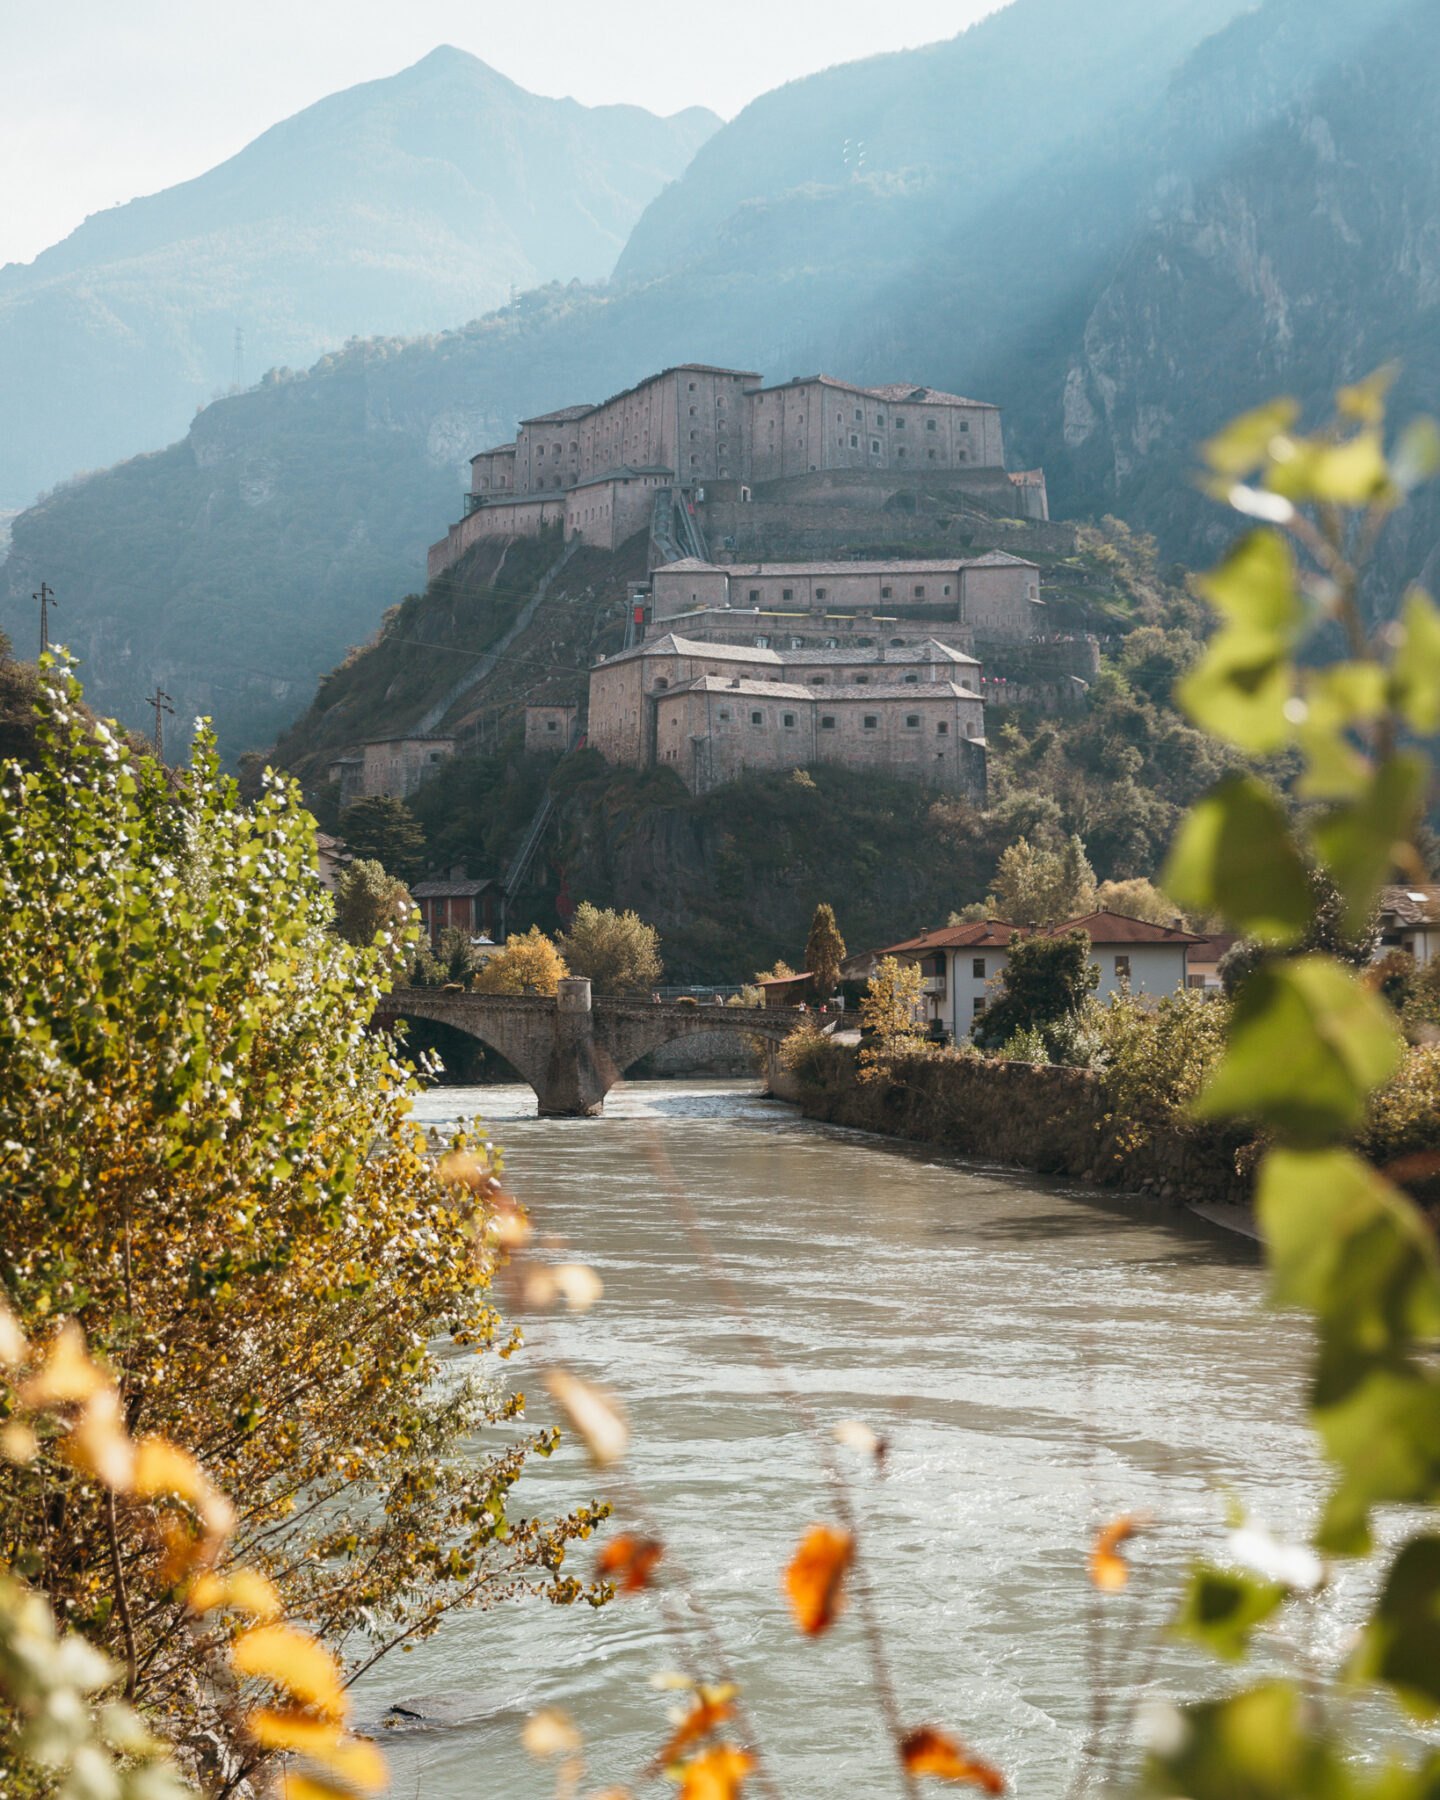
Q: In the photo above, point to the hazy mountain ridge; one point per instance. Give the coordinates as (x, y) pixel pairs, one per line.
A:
(295, 515)
(393, 207)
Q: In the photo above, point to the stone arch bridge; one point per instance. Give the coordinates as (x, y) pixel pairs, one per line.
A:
(574, 1048)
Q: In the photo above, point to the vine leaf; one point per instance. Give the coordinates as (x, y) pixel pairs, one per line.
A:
(1359, 841)
(1234, 855)
(1220, 1609)
(1415, 681)
(1401, 1644)
(1240, 688)
(815, 1578)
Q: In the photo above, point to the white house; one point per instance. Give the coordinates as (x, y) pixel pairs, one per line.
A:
(1134, 954)
(1410, 921)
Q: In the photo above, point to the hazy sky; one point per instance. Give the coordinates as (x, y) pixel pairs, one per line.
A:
(104, 101)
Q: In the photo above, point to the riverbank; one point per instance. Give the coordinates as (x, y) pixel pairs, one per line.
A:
(1054, 1121)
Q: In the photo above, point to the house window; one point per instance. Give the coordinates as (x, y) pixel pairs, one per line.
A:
(946, 590)
(912, 681)
(919, 590)
(817, 681)
(827, 723)
(859, 416)
(787, 593)
(862, 680)
(661, 682)
(692, 387)
(929, 424)
(550, 725)
(854, 441)
(912, 721)
(872, 721)
(819, 593)
(874, 443)
(942, 728)
(885, 593)
(1122, 968)
(788, 721)
(754, 596)
(899, 424)
(725, 714)
(757, 718)
(900, 453)
(694, 437)
(879, 421)
(964, 424)
(931, 455)
(979, 1005)
(977, 968)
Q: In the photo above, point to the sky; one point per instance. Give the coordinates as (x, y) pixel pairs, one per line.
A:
(106, 101)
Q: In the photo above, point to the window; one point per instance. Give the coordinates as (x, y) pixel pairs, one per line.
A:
(817, 681)
(874, 443)
(788, 721)
(859, 416)
(832, 644)
(550, 725)
(980, 1004)
(885, 593)
(931, 455)
(725, 714)
(911, 681)
(827, 723)
(819, 593)
(862, 680)
(787, 593)
(694, 437)
(929, 424)
(919, 590)
(661, 682)
(754, 596)
(854, 441)
(899, 424)
(942, 728)
(757, 718)
(879, 421)
(977, 968)
(912, 721)
(946, 590)
(1122, 968)
(840, 418)
(692, 387)
(872, 721)
(965, 425)
(900, 453)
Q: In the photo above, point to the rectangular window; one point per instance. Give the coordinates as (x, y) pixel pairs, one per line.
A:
(964, 424)
(912, 721)
(788, 721)
(874, 443)
(899, 424)
(854, 441)
(724, 714)
(977, 968)
(912, 681)
(754, 596)
(827, 723)
(1122, 968)
(885, 593)
(979, 1004)
(929, 424)
(817, 681)
(757, 718)
(819, 593)
(859, 416)
(872, 721)
(787, 593)
(931, 455)
(919, 590)
(942, 728)
(946, 590)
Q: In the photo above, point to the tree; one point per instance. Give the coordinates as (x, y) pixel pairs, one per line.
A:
(1042, 887)
(824, 951)
(618, 951)
(1325, 935)
(383, 829)
(208, 1166)
(1137, 899)
(367, 902)
(1043, 987)
(529, 963)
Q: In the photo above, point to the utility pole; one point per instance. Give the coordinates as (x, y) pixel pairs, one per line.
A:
(161, 703)
(46, 597)
(237, 372)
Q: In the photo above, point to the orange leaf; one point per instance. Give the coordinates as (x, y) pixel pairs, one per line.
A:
(815, 1579)
(629, 1561)
(1108, 1569)
(99, 1443)
(703, 1717)
(926, 1751)
(292, 1661)
(716, 1775)
(550, 1732)
(160, 1468)
(13, 1347)
(593, 1413)
(299, 1731)
(67, 1374)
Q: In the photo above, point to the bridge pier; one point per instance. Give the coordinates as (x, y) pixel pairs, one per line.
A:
(572, 1086)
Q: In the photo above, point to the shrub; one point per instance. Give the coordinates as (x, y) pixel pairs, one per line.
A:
(1155, 1054)
(369, 903)
(1043, 987)
(618, 951)
(529, 963)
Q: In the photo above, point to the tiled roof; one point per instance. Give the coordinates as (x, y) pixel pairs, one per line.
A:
(1412, 905)
(893, 690)
(499, 450)
(986, 934)
(922, 650)
(777, 571)
(563, 416)
(680, 369)
(999, 559)
(889, 391)
(669, 645)
(1116, 928)
(1211, 949)
(623, 472)
(721, 684)
(451, 890)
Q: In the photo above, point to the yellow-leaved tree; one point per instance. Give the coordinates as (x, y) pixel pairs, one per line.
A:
(529, 964)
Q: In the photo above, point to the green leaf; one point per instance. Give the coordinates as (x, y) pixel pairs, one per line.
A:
(1234, 855)
(1220, 1609)
(1352, 473)
(1307, 1044)
(1360, 841)
(1336, 700)
(1253, 1746)
(1245, 442)
(1239, 689)
(1401, 1645)
(1256, 586)
(1365, 400)
(1383, 1435)
(1415, 677)
(1416, 457)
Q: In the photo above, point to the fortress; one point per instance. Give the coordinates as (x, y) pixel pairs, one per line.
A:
(718, 437)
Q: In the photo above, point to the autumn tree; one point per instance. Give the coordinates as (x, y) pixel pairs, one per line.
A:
(208, 1165)
(383, 829)
(618, 951)
(824, 951)
(368, 902)
(1044, 984)
(1041, 887)
(529, 964)
(1138, 899)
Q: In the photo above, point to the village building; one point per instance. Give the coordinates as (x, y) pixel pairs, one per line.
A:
(332, 858)
(596, 468)
(1410, 922)
(550, 730)
(396, 766)
(712, 711)
(457, 902)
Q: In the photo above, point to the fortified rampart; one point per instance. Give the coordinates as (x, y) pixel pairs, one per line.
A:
(764, 530)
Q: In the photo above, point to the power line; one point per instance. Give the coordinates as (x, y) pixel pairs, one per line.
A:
(237, 372)
(161, 703)
(46, 597)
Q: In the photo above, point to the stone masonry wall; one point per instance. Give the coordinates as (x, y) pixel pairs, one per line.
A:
(766, 531)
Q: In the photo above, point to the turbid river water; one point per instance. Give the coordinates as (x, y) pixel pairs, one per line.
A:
(1039, 1357)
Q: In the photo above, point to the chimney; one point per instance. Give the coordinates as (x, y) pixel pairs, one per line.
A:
(457, 872)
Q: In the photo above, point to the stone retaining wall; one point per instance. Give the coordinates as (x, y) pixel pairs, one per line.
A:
(1052, 1120)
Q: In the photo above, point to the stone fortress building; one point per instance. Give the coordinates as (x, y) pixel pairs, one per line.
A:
(596, 470)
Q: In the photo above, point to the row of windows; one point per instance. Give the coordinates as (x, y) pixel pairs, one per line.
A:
(870, 722)
(917, 591)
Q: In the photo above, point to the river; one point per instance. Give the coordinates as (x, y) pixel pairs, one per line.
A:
(1040, 1358)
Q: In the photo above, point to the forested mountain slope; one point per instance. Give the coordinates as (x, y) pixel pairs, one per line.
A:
(1216, 203)
(394, 207)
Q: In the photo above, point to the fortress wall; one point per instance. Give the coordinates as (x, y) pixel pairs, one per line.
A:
(775, 531)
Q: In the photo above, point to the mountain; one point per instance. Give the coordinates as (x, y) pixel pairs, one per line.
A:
(1121, 221)
(390, 208)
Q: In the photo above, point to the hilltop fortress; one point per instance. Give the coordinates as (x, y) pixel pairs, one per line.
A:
(718, 438)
